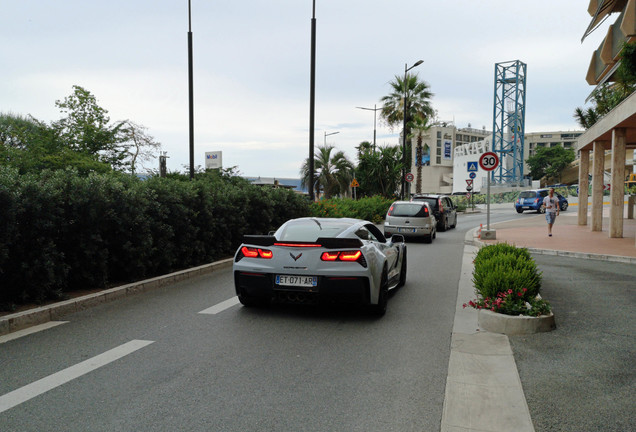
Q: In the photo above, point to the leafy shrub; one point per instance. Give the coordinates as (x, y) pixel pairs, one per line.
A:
(60, 231)
(372, 209)
(507, 281)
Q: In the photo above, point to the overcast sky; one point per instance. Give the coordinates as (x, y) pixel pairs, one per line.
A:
(252, 67)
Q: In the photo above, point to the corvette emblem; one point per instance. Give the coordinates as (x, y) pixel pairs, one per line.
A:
(295, 257)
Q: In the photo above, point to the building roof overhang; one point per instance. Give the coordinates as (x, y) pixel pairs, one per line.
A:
(623, 116)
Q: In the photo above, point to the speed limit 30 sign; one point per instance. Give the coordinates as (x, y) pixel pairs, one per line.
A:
(489, 161)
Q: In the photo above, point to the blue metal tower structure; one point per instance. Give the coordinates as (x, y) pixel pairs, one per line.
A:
(508, 123)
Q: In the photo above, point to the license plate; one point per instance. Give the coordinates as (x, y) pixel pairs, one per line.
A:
(298, 281)
(406, 230)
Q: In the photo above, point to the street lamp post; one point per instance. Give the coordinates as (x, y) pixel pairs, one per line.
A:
(406, 69)
(312, 102)
(191, 92)
(327, 134)
(374, 109)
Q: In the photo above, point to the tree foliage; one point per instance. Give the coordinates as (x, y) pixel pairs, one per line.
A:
(379, 171)
(84, 138)
(333, 172)
(550, 162)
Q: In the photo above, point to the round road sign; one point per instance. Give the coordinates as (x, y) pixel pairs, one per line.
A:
(489, 161)
(409, 177)
(472, 175)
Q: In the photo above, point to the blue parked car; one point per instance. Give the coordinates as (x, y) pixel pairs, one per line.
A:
(533, 200)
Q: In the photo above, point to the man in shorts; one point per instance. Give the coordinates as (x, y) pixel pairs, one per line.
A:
(551, 205)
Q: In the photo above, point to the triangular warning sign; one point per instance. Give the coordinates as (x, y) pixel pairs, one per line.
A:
(355, 183)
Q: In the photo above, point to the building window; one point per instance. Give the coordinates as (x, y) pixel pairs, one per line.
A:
(438, 160)
(439, 134)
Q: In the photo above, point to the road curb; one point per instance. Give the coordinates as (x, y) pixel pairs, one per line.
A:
(21, 320)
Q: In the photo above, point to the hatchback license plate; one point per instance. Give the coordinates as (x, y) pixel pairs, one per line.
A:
(406, 230)
(299, 281)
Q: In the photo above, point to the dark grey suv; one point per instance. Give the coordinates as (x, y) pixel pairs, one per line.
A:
(443, 208)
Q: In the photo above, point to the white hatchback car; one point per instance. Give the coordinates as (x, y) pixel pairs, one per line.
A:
(411, 219)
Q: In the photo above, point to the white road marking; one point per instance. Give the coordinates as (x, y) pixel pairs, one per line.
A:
(221, 306)
(39, 387)
(30, 330)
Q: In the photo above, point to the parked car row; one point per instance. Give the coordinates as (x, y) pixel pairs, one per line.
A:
(421, 217)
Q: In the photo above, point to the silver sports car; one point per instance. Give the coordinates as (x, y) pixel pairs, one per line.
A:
(309, 260)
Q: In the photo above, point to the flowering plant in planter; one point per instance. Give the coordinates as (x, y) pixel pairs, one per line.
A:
(512, 302)
(507, 281)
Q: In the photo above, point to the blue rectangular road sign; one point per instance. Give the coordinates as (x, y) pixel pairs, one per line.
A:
(472, 166)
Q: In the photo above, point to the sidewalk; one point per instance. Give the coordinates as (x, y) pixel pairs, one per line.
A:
(568, 238)
(483, 388)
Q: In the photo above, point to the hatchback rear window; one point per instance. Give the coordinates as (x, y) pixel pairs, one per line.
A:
(528, 194)
(408, 210)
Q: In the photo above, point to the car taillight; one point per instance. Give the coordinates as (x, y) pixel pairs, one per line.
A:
(426, 211)
(390, 211)
(441, 207)
(341, 256)
(537, 200)
(256, 252)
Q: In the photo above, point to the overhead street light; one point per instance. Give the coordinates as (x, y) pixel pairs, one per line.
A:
(406, 69)
(374, 109)
(327, 134)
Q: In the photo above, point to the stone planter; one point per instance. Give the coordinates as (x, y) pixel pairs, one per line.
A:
(515, 325)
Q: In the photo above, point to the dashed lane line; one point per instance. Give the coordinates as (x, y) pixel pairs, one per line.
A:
(221, 306)
(50, 382)
(30, 330)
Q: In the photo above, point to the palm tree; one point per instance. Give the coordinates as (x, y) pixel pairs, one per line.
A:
(333, 175)
(418, 104)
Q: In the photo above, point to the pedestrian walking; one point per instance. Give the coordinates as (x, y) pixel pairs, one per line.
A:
(551, 205)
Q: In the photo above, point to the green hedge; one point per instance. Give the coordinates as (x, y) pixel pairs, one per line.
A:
(61, 232)
(372, 209)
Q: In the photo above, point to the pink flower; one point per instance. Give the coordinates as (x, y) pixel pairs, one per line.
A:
(509, 291)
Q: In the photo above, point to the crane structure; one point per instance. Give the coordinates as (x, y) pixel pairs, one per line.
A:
(509, 122)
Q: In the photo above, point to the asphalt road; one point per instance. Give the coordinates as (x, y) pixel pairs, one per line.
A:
(154, 362)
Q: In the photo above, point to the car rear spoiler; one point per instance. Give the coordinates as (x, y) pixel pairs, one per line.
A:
(327, 242)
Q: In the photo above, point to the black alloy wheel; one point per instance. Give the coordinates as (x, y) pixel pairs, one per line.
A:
(383, 299)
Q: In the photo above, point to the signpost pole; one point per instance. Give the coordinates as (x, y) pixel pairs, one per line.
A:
(488, 202)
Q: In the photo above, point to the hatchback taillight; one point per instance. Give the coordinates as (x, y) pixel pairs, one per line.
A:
(390, 211)
(441, 207)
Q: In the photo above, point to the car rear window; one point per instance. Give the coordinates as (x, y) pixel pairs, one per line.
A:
(310, 230)
(408, 210)
(527, 194)
(431, 201)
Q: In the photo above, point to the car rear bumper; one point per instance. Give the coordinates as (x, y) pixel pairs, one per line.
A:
(411, 231)
(341, 289)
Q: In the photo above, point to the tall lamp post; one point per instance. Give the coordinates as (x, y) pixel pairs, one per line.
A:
(191, 92)
(406, 69)
(374, 109)
(327, 134)
(312, 102)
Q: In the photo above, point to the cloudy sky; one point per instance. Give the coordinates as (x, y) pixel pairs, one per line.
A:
(252, 67)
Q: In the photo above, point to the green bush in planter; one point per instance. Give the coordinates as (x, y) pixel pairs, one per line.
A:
(507, 281)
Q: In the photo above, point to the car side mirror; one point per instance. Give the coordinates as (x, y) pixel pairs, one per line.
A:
(397, 238)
